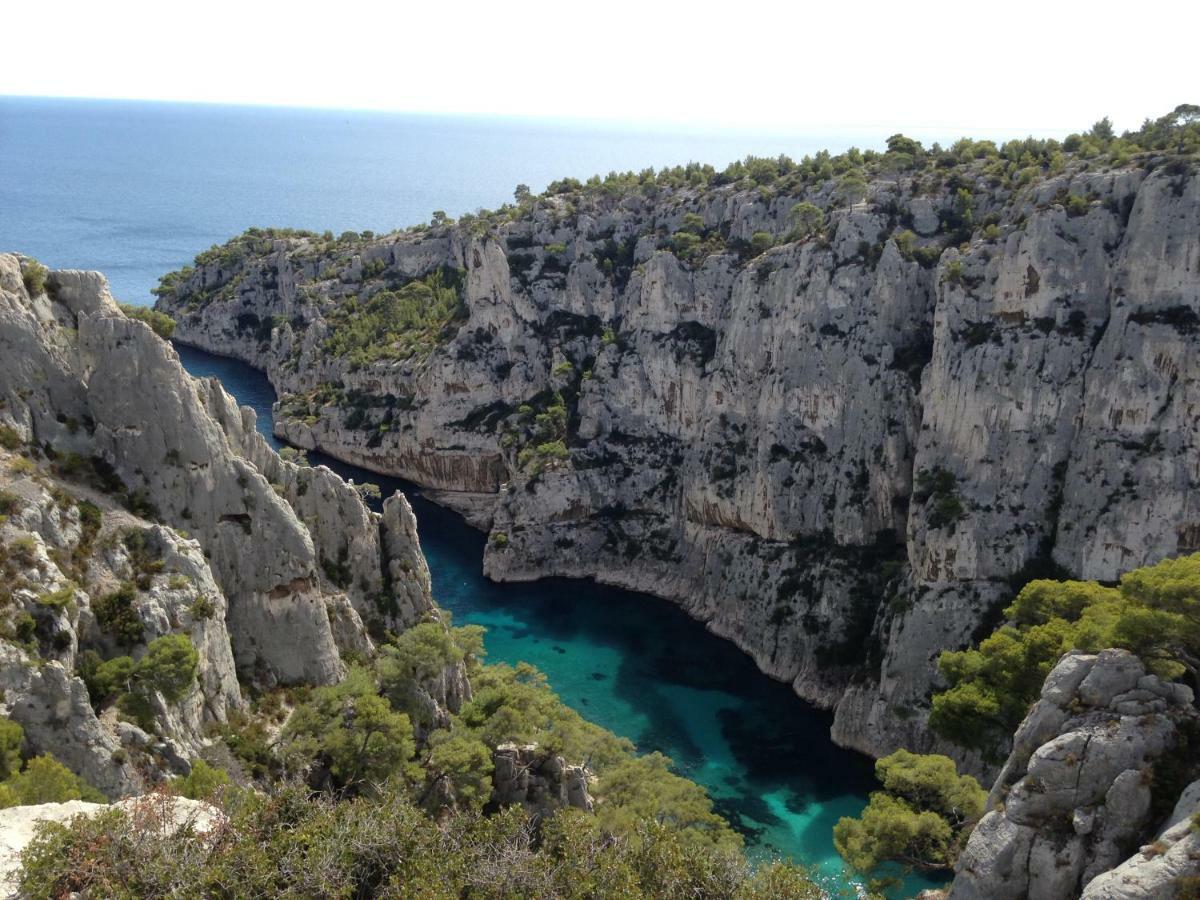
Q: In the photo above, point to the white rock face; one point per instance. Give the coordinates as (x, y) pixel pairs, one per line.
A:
(1076, 793)
(830, 454)
(269, 568)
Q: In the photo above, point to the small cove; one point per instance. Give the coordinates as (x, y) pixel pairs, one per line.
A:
(642, 668)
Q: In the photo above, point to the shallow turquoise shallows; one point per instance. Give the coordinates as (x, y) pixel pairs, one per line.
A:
(642, 668)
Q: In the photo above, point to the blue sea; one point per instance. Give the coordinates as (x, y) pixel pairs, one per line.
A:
(137, 189)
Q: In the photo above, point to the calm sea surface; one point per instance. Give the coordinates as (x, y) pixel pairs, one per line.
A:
(136, 189)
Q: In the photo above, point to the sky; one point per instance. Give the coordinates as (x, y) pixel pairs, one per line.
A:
(1017, 66)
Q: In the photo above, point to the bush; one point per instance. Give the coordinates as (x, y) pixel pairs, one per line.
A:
(162, 324)
(116, 614)
(1153, 612)
(761, 242)
(46, 780)
(299, 845)
(352, 731)
(204, 782)
(33, 275)
(398, 324)
(169, 666)
(807, 220)
(918, 819)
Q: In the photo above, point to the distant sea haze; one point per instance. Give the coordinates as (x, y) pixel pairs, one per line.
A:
(137, 189)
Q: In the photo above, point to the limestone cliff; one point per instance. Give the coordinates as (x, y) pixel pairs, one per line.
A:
(1079, 807)
(137, 502)
(841, 451)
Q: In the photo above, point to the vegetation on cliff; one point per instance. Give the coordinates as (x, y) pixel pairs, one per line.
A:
(1153, 612)
(921, 817)
(291, 842)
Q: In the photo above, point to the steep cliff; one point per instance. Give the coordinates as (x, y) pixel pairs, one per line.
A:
(837, 410)
(137, 503)
(1079, 807)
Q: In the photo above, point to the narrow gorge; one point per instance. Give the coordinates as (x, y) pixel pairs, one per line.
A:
(839, 410)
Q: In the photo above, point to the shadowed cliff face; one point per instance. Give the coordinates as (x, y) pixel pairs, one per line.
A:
(841, 452)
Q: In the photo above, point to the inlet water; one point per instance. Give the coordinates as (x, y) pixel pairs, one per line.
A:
(137, 189)
(642, 668)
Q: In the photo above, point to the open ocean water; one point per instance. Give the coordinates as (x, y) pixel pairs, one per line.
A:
(137, 189)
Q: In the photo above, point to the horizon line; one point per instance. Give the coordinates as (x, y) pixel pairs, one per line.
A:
(878, 131)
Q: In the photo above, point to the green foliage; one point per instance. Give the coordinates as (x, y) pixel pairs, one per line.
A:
(116, 614)
(105, 678)
(202, 608)
(12, 736)
(644, 787)
(34, 274)
(418, 656)
(203, 782)
(761, 242)
(43, 779)
(460, 758)
(294, 844)
(1153, 612)
(807, 220)
(9, 502)
(352, 731)
(918, 819)
(168, 667)
(398, 324)
(937, 488)
(10, 438)
(162, 324)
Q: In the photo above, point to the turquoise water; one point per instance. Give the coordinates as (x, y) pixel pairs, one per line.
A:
(642, 668)
(137, 189)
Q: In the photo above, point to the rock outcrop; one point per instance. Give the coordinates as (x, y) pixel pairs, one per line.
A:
(840, 452)
(138, 502)
(540, 781)
(1095, 758)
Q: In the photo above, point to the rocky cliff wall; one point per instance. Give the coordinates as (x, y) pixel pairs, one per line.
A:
(1079, 807)
(137, 502)
(841, 452)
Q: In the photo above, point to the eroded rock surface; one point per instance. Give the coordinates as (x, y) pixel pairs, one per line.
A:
(840, 453)
(1090, 764)
(139, 502)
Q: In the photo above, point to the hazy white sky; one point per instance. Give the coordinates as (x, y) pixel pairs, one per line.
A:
(1016, 66)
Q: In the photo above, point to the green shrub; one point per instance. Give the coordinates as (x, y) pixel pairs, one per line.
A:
(105, 678)
(398, 324)
(46, 780)
(295, 844)
(919, 818)
(353, 731)
(34, 274)
(761, 242)
(203, 782)
(1153, 612)
(162, 324)
(10, 438)
(807, 220)
(169, 666)
(116, 614)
